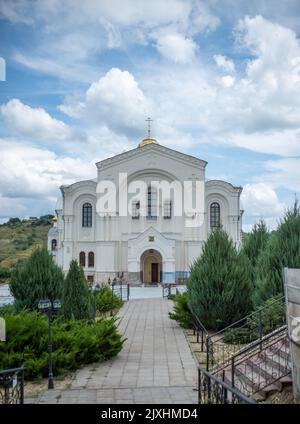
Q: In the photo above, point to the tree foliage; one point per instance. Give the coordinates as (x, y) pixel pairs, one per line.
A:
(37, 278)
(282, 250)
(254, 244)
(77, 299)
(219, 286)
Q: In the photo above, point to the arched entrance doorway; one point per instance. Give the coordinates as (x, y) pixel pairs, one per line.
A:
(151, 267)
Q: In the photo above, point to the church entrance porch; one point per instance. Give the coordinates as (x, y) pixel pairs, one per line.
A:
(151, 267)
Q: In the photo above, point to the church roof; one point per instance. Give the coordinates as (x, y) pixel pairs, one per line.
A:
(158, 148)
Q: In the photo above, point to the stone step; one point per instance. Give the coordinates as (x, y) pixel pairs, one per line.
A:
(267, 375)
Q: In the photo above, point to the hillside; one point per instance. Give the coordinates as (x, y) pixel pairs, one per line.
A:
(19, 238)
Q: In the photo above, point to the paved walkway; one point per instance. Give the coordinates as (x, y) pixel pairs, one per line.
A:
(154, 366)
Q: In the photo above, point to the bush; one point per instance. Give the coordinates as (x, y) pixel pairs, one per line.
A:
(282, 250)
(38, 278)
(75, 343)
(7, 310)
(181, 312)
(219, 287)
(5, 272)
(77, 300)
(107, 300)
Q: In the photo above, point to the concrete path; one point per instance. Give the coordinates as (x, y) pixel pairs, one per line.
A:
(154, 366)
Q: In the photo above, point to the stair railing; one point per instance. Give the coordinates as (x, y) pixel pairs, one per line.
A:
(212, 390)
(224, 344)
(261, 363)
(200, 331)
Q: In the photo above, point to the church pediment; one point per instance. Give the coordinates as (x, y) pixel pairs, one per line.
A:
(150, 239)
(147, 150)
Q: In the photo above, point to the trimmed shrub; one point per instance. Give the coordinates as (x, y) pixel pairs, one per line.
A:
(37, 278)
(75, 343)
(219, 287)
(181, 311)
(107, 300)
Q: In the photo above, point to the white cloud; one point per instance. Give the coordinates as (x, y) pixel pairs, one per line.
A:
(115, 100)
(224, 63)
(284, 173)
(30, 172)
(227, 80)
(284, 143)
(33, 123)
(260, 200)
(176, 48)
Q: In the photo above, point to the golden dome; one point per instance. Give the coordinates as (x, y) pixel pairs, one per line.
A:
(147, 141)
(54, 219)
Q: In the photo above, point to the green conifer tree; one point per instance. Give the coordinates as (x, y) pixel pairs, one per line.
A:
(219, 286)
(38, 278)
(77, 300)
(282, 250)
(255, 243)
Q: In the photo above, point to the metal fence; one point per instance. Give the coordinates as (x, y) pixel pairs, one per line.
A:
(212, 390)
(12, 386)
(121, 290)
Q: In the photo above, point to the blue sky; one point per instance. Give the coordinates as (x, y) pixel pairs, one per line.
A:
(221, 79)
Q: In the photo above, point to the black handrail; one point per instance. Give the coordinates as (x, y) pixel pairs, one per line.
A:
(217, 351)
(201, 330)
(212, 390)
(242, 360)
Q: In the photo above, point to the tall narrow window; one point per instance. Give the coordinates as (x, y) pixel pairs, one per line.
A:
(167, 209)
(82, 259)
(53, 244)
(152, 202)
(87, 215)
(91, 259)
(215, 215)
(135, 209)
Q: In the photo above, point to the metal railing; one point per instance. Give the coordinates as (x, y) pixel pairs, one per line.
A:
(212, 390)
(200, 331)
(12, 386)
(261, 363)
(223, 345)
(121, 290)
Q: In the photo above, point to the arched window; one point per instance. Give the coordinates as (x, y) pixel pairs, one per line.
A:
(135, 209)
(215, 215)
(82, 259)
(152, 202)
(53, 244)
(87, 215)
(91, 259)
(167, 209)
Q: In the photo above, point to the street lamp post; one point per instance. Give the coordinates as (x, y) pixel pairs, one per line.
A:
(47, 307)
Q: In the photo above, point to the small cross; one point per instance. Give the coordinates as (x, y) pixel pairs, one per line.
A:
(149, 120)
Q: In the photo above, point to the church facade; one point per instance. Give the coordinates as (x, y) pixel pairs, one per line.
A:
(152, 247)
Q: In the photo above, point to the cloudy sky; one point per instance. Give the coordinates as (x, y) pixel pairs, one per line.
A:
(220, 78)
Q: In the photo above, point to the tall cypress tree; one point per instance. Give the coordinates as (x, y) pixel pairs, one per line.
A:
(282, 250)
(255, 243)
(77, 299)
(38, 278)
(219, 287)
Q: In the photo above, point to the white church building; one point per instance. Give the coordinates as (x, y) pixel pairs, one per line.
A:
(152, 247)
